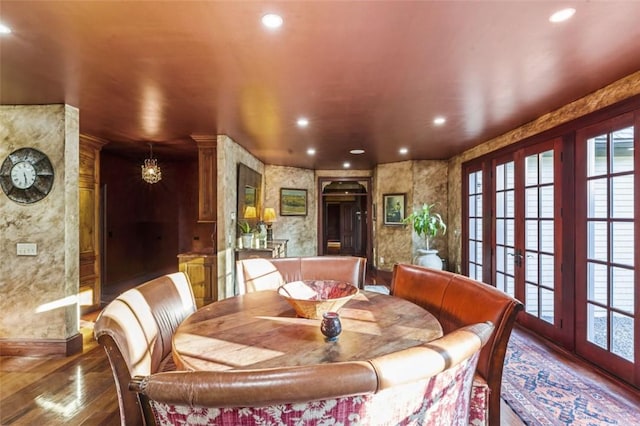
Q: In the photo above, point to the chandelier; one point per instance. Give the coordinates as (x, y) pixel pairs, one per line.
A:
(150, 170)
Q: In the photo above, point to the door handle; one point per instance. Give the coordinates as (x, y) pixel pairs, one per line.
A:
(517, 257)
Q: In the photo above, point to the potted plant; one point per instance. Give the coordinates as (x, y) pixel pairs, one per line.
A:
(246, 233)
(427, 224)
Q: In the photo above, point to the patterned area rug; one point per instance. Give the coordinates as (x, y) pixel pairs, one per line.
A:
(544, 392)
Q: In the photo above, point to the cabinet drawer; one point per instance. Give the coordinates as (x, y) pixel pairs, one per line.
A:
(202, 275)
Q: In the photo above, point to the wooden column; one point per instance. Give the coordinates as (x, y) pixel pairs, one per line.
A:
(89, 222)
(207, 181)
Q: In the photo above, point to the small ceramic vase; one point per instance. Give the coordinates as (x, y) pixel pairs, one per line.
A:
(331, 326)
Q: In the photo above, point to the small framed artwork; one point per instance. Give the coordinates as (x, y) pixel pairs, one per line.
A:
(394, 208)
(293, 202)
(249, 196)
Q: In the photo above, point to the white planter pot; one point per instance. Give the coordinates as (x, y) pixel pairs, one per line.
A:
(247, 241)
(428, 258)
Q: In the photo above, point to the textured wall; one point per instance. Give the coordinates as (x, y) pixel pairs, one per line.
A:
(301, 231)
(430, 186)
(609, 95)
(229, 155)
(39, 292)
(423, 182)
(392, 244)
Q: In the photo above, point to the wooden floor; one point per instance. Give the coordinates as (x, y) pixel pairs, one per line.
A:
(77, 390)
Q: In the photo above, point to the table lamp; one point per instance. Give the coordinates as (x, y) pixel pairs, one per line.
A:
(250, 212)
(269, 217)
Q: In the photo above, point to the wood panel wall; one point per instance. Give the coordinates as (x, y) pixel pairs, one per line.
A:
(148, 225)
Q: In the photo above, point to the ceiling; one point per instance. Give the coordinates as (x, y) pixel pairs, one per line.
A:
(367, 75)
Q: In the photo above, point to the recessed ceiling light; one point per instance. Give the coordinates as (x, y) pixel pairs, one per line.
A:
(357, 151)
(346, 165)
(403, 151)
(271, 20)
(562, 15)
(311, 151)
(439, 121)
(4, 29)
(302, 122)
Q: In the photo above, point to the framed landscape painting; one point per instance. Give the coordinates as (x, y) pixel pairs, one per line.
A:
(394, 208)
(293, 202)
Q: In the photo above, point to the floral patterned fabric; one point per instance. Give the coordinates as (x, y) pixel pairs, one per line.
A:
(440, 400)
(479, 405)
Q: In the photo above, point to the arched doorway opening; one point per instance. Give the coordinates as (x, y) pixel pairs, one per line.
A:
(343, 224)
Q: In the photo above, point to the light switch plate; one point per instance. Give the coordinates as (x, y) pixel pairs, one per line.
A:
(26, 249)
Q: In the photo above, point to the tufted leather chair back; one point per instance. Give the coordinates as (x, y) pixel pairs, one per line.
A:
(136, 330)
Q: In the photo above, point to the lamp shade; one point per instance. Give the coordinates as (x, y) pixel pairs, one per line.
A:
(250, 212)
(269, 214)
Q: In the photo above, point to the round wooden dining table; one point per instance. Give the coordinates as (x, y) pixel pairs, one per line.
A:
(261, 330)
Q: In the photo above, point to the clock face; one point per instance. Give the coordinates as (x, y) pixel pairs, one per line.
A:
(26, 175)
(23, 175)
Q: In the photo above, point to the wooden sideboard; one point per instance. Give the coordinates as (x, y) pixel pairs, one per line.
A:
(201, 270)
(274, 248)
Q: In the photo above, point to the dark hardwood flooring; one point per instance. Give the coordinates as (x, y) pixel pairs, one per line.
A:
(79, 390)
(76, 390)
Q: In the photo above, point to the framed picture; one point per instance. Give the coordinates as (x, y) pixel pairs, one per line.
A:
(293, 202)
(249, 196)
(249, 199)
(394, 208)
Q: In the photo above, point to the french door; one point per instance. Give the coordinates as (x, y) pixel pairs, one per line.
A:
(554, 224)
(606, 252)
(526, 222)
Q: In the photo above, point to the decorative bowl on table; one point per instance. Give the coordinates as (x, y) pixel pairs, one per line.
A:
(312, 298)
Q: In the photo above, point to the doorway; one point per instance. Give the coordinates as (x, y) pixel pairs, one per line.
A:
(343, 224)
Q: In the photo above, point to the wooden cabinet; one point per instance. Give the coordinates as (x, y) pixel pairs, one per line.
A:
(207, 178)
(89, 223)
(275, 248)
(201, 270)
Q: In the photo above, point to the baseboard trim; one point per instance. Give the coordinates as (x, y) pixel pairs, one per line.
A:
(41, 347)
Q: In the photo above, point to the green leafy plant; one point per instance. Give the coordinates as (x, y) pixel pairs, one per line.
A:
(426, 223)
(244, 227)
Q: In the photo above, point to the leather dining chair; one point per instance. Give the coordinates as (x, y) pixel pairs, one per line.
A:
(268, 274)
(136, 329)
(456, 301)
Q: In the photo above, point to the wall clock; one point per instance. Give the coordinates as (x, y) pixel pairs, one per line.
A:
(26, 175)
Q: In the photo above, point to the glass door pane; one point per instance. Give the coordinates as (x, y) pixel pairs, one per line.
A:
(506, 255)
(474, 226)
(539, 262)
(610, 243)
